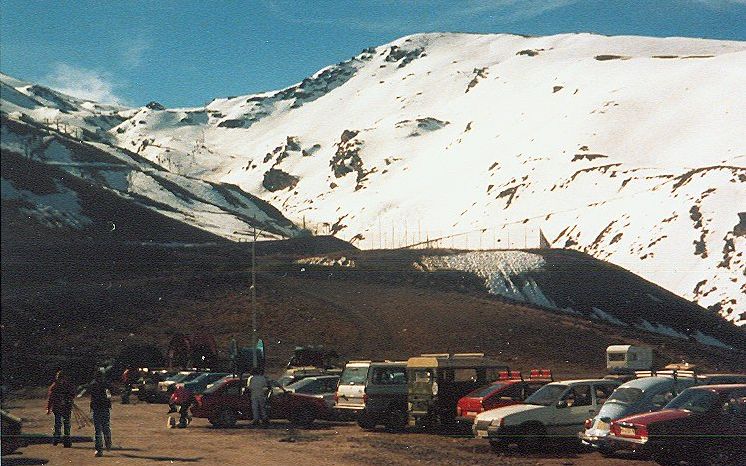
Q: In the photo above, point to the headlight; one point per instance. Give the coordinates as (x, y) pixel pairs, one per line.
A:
(435, 388)
(409, 406)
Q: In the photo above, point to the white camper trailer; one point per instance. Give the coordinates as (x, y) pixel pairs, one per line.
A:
(636, 358)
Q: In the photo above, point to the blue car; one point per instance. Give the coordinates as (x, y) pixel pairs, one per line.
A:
(636, 396)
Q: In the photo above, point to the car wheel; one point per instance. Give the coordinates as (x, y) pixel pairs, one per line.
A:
(396, 420)
(606, 452)
(365, 421)
(303, 417)
(497, 445)
(531, 435)
(226, 418)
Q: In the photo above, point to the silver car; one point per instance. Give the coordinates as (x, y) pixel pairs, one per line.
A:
(636, 396)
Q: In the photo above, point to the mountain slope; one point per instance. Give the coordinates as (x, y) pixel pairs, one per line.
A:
(628, 148)
(94, 188)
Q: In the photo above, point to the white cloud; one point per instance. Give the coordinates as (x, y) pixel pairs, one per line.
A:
(83, 83)
(134, 52)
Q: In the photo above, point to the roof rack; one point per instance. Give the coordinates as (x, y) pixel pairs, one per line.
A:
(509, 375)
(541, 374)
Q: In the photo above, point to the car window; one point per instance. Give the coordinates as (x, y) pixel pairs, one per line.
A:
(233, 389)
(627, 395)
(354, 375)
(330, 384)
(546, 395)
(513, 392)
(603, 392)
(735, 409)
(579, 395)
(312, 387)
(698, 401)
(660, 400)
(389, 376)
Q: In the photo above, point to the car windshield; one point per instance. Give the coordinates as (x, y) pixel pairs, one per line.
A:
(698, 401)
(177, 378)
(354, 375)
(484, 391)
(191, 376)
(626, 395)
(546, 395)
(215, 386)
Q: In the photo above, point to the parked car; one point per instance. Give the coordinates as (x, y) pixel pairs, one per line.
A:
(350, 396)
(166, 387)
(705, 424)
(509, 389)
(435, 383)
(636, 396)
(185, 390)
(147, 388)
(557, 409)
(11, 433)
(385, 396)
(226, 402)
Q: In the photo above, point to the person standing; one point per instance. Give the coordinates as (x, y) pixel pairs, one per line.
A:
(60, 402)
(258, 385)
(100, 392)
(129, 378)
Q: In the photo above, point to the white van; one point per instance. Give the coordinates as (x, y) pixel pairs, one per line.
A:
(349, 400)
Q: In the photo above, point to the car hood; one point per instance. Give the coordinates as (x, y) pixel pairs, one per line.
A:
(506, 411)
(658, 416)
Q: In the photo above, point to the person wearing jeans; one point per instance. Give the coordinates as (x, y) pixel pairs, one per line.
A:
(258, 385)
(60, 402)
(101, 408)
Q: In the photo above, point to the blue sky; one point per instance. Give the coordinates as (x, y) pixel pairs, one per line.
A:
(184, 53)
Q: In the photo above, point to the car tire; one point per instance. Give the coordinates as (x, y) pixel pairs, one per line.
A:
(498, 446)
(365, 421)
(396, 420)
(606, 452)
(303, 417)
(531, 435)
(226, 418)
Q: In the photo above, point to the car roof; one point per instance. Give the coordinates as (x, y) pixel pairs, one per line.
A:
(646, 383)
(723, 388)
(581, 381)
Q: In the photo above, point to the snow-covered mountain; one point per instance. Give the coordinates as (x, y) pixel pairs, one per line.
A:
(631, 149)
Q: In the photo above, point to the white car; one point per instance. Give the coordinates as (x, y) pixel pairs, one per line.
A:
(558, 409)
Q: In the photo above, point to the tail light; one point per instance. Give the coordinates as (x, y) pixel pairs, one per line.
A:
(588, 423)
(198, 400)
(641, 431)
(458, 411)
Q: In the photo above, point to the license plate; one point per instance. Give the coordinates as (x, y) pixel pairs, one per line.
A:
(471, 414)
(482, 433)
(601, 425)
(627, 431)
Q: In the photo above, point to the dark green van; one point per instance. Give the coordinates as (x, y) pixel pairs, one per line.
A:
(435, 383)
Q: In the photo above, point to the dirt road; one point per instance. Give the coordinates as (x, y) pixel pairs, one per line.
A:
(141, 437)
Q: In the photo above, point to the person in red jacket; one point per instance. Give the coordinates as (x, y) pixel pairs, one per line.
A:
(60, 402)
(129, 378)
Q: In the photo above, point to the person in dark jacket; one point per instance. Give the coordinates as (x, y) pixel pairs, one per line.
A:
(60, 402)
(100, 393)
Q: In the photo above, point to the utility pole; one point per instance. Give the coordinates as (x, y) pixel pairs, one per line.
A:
(253, 300)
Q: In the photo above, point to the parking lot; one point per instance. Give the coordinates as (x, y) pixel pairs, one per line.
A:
(141, 437)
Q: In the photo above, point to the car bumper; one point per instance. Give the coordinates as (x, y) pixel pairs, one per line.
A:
(596, 441)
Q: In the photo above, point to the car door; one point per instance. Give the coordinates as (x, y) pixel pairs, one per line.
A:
(577, 406)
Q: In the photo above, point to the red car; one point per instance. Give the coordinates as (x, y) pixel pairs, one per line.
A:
(704, 424)
(508, 390)
(226, 402)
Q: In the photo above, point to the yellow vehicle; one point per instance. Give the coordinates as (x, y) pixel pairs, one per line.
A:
(437, 381)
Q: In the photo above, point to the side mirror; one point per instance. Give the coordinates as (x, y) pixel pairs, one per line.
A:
(562, 404)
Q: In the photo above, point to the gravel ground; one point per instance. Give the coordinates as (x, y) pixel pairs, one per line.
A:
(141, 437)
